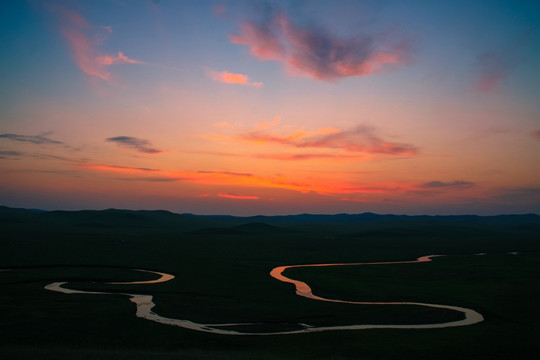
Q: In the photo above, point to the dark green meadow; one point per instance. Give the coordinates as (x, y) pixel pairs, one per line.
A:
(222, 266)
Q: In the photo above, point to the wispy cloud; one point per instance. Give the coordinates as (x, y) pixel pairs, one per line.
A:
(229, 178)
(6, 154)
(140, 145)
(492, 69)
(117, 168)
(314, 52)
(241, 197)
(219, 9)
(494, 66)
(153, 179)
(120, 58)
(361, 139)
(517, 194)
(84, 40)
(458, 184)
(268, 124)
(33, 139)
(224, 173)
(286, 156)
(221, 124)
(17, 155)
(303, 156)
(10, 153)
(231, 78)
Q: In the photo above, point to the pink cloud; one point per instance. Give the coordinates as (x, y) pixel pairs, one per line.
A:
(84, 40)
(231, 78)
(301, 157)
(315, 53)
(83, 47)
(118, 59)
(536, 134)
(359, 139)
(263, 42)
(493, 68)
(488, 82)
(219, 9)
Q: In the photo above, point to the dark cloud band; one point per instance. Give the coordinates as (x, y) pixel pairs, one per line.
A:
(140, 145)
(454, 184)
(40, 140)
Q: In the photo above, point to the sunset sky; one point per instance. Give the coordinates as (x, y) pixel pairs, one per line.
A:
(275, 107)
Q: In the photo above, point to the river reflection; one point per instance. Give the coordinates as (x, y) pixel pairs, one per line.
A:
(163, 278)
(145, 305)
(303, 289)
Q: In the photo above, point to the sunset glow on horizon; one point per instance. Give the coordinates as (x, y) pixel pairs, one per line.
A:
(271, 107)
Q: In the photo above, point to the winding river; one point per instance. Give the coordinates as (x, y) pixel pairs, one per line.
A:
(145, 304)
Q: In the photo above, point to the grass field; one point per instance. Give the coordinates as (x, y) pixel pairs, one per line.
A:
(221, 267)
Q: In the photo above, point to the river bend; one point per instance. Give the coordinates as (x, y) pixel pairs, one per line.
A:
(144, 305)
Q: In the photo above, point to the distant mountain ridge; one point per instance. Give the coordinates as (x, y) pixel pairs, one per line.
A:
(227, 224)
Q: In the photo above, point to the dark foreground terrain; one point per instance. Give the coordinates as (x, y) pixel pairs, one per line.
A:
(221, 266)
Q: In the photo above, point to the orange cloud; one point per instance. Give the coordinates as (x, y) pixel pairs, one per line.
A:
(242, 197)
(224, 178)
(259, 136)
(224, 173)
(361, 139)
(230, 78)
(221, 124)
(283, 156)
(313, 52)
(268, 124)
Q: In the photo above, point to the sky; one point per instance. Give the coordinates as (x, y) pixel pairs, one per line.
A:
(271, 107)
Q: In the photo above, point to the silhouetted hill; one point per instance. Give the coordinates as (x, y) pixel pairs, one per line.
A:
(217, 231)
(352, 224)
(260, 228)
(110, 218)
(244, 229)
(8, 210)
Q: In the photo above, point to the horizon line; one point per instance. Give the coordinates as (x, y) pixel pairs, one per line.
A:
(277, 215)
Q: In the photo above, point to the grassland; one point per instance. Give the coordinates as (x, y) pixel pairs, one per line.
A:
(221, 266)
